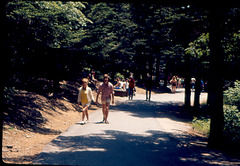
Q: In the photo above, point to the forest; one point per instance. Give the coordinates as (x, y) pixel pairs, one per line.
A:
(55, 41)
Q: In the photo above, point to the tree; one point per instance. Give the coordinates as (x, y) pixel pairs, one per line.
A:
(55, 23)
(216, 78)
(199, 56)
(35, 29)
(108, 41)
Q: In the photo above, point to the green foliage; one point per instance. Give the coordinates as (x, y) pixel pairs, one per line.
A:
(54, 23)
(199, 48)
(202, 125)
(232, 95)
(8, 94)
(232, 123)
(119, 75)
(231, 113)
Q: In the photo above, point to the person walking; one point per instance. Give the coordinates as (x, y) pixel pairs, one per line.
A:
(131, 87)
(106, 88)
(85, 97)
(148, 86)
(173, 81)
(193, 81)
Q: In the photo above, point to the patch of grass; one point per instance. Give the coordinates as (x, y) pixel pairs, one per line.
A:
(201, 125)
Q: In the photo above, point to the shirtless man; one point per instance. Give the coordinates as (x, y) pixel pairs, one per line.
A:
(107, 89)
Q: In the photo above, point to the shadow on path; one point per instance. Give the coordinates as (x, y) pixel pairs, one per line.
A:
(145, 109)
(122, 148)
(107, 146)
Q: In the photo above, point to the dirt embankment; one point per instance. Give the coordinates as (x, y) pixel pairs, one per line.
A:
(32, 120)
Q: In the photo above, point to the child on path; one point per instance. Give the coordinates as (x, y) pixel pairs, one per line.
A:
(85, 96)
(106, 88)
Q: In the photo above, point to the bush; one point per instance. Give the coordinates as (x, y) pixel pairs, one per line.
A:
(202, 125)
(231, 123)
(232, 95)
(8, 94)
(119, 75)
(231, 99)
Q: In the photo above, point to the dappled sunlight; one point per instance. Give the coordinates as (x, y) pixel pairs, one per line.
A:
(172, 110)
(154, 149)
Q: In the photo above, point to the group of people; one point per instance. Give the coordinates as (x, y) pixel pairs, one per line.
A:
(85, 96)
(127, 85)
(178, 82)
(91, 77)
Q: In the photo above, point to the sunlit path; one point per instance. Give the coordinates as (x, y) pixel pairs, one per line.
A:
(140, 133)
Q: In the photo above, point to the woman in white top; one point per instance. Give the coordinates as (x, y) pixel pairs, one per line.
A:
(85, 97)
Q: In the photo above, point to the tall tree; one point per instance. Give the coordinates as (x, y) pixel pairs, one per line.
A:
(216, 32)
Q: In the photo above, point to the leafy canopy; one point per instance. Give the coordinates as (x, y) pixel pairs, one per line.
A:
(55, 23)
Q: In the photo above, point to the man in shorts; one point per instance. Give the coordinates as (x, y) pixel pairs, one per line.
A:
(107, 89)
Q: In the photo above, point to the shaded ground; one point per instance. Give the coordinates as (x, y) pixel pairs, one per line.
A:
(140, 133)
(33, 118)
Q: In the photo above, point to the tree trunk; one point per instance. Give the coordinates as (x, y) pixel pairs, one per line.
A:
(157, 71)
(166, 72)
(197, 92)
(216, 79)
(187, 82)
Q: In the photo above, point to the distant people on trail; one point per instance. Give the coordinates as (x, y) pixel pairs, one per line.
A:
(85, 97)
(106, 88)
(127, 85)
(119, 84)
(179, 79)
(148, 86)
(193, 81)
(202, 85)
(131, 87)
(92, 80)
(182, 83)
(123, 84)
(173, 81)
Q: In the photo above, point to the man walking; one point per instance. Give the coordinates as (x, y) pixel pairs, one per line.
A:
(107, 89)
(131, 87)
(148, 86)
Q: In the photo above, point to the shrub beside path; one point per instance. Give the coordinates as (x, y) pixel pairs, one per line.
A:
(140, 132)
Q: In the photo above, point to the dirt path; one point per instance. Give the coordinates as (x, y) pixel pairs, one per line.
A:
(140, 133)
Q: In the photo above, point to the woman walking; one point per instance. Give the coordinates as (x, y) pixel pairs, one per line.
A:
(85, 97)
(173, 81)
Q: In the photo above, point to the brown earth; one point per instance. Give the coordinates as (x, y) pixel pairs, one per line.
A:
(20, 145)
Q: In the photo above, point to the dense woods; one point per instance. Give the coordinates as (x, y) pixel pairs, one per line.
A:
(55, 41)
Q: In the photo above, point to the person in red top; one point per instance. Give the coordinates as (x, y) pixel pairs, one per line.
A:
(131, 87)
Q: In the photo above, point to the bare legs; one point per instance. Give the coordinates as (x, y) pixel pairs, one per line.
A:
(105, 111)
(174, 89)
(85, 113)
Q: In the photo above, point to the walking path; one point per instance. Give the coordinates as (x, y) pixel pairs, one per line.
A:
(140, 133)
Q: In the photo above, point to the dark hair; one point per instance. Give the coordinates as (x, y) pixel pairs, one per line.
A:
(106, 76)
